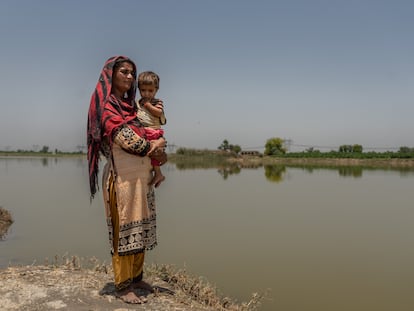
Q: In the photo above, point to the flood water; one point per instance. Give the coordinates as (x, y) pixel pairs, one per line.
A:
(323, 239)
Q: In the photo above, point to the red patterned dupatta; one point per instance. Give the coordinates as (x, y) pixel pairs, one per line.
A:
(106, 114)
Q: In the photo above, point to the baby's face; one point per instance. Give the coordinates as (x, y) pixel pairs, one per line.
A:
(147, 91)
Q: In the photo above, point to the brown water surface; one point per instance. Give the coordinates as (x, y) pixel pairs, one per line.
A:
(319, 239)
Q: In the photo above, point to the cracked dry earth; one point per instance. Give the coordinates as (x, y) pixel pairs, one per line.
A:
(35, 288)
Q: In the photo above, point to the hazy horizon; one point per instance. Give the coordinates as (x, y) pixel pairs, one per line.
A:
(317, 73)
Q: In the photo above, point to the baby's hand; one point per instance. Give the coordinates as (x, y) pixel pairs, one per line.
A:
(144, 101)
(152, 149)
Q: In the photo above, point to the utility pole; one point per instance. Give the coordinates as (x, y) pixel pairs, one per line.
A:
(287, 142)
(171, 148)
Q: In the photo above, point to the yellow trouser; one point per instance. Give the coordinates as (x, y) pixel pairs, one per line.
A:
(127, 268)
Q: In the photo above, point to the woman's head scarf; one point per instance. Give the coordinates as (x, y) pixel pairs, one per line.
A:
(106, 113)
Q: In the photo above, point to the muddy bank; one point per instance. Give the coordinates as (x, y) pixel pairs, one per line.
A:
(70, 287)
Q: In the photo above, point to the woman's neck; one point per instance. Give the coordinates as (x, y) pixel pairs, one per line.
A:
(118, 94)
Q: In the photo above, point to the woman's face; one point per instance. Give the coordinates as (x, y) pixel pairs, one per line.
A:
(122, 78)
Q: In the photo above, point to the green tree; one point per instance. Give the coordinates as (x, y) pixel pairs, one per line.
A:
(405, 149)
(357, 148)
(274, 146)
(235, 148)
(45, 149)
(345, 148)
(351, 148)
(224, 145)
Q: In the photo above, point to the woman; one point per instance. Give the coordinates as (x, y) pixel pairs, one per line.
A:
(114, 130)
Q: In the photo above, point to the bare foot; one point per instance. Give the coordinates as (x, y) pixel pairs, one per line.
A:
(157, 180)
(143, 285)
(128, 296)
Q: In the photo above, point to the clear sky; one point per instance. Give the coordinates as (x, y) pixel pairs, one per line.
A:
(318, 72)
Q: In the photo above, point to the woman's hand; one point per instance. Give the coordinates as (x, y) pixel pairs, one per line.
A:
(157, 151)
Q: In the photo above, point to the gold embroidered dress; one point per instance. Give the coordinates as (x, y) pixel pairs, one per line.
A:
(114, 130)
(134, 200)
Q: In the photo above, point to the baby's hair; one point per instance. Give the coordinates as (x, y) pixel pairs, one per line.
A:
(149, 78)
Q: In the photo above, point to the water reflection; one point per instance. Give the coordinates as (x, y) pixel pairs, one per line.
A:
(327, 238)
(235, 168)
(350, 171)
(355, 171)
(199, 163)
(276, 173)
(229, 170)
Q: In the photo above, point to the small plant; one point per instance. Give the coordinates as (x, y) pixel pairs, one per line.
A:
(5, 222)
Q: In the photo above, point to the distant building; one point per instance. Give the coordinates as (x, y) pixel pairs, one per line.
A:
(251, 153)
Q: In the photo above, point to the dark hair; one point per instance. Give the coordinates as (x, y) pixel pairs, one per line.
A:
(149, 78)
(119, 62)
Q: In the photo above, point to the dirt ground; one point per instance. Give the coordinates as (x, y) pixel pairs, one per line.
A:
(59, 288)
(69, 287)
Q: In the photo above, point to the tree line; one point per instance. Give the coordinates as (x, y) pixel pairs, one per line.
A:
(44, 150)
(275, 146)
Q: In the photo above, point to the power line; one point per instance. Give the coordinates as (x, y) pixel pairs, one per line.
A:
(336, 147)
(249, 148)
(324, 147)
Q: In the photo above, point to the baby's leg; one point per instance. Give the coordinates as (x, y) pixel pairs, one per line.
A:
(158, 176)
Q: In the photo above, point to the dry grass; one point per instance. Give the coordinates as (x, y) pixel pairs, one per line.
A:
(190, 288)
